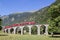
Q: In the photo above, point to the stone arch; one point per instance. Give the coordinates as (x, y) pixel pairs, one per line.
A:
(34, 30)
(25, 30)
(18, 30)
(42, 29)
(11, 30)
(4, 31)
(7, 30)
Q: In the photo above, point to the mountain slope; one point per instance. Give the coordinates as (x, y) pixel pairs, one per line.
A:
(15, 18)
(40, 16)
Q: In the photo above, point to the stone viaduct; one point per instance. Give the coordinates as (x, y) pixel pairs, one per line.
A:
(25, 24)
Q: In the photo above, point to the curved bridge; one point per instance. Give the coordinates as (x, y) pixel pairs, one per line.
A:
(15, 27)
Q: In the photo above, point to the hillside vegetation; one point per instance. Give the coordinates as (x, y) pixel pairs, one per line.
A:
(40, 16)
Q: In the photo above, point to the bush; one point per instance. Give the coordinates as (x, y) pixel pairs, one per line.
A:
(34, 30)
(0, 27)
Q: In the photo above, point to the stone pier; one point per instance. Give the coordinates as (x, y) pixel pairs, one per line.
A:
(30, 26)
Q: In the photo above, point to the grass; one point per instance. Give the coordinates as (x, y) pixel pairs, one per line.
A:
(27, 37)
(4, 36)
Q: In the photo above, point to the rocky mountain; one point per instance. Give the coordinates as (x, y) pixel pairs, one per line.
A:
(15, 18)
(40, 16)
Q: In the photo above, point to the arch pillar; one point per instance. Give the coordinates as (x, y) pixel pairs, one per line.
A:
(46, 30)
(17, 29)
(14, 30)
(5, 30)
(21, 30)
(30, 29)
(38, 29)
(9, 30)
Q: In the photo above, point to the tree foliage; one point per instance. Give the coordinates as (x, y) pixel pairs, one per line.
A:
(54, 21)
(0, 24)
(34, 30)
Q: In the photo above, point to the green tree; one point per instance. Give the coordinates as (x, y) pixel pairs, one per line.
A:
(0, 24)
(34, 30)
(54, 21)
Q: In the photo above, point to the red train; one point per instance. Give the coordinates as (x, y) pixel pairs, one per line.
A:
(20, 24)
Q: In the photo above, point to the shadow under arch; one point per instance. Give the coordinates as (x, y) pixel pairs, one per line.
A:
(7, 30)
(11, 30)
(18, 30)
(25, 30)
(42, 29)
(34, 30)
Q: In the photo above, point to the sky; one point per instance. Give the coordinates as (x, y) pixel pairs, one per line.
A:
(13, 6)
